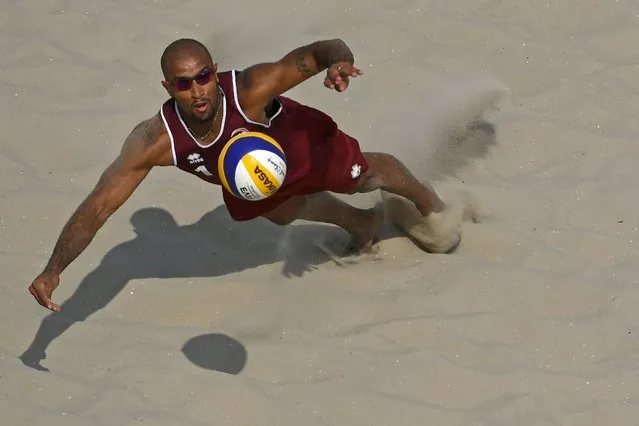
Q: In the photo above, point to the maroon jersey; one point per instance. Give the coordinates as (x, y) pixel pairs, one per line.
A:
(295, 127)
(318, 155)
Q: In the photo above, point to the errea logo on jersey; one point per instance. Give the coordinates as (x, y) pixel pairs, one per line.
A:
(194, 158)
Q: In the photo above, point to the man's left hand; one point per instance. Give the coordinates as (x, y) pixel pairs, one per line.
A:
(337, 76)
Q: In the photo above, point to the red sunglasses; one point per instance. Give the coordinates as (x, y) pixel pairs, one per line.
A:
(182, 84)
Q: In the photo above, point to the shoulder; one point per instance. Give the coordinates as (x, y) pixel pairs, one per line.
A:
(149, 143)
(254, 84)
(258, 76)
(149, 131)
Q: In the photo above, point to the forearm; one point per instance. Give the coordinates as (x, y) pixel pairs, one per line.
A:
(76, 235)
(319, 56)
(329, 52)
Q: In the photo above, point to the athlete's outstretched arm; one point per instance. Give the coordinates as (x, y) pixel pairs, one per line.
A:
(261, 82)
(139, 154)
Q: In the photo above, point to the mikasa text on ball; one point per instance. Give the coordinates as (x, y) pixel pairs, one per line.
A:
(252, 166)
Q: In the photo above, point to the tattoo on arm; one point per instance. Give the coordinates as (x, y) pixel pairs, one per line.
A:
(146, 130)
(302, 66)
(74, 238)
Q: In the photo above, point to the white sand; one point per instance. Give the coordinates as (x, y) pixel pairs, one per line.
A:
(532, 322)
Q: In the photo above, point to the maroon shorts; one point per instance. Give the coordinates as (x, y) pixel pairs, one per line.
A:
(335, 165)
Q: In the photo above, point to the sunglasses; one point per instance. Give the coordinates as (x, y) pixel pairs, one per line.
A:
(182, 84)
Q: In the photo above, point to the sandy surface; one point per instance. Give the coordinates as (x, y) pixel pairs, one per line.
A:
(169, 319)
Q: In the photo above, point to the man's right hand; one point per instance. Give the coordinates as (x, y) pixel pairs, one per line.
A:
(42, 288)
(337, 76)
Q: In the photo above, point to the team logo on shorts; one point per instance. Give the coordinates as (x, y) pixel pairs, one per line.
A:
(356, 170)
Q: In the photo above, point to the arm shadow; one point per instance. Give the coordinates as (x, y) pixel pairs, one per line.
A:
(213, 247)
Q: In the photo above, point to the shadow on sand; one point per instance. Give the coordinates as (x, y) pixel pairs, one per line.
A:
(212, 247)
(217, 352)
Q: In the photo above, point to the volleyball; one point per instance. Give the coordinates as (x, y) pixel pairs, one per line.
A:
(252, 166)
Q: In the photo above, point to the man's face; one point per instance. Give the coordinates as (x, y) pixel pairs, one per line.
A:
(192, 81)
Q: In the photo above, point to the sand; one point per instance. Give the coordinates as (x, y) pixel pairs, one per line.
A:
(176, 315)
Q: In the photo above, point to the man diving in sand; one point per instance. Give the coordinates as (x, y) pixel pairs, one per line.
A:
(206, 107)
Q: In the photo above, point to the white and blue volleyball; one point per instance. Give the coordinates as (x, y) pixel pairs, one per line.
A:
(252, 166)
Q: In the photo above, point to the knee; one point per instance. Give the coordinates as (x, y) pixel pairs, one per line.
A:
(369, 182)
(380, 165)
(387, 166)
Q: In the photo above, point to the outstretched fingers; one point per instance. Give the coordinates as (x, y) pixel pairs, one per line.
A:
(338, 76)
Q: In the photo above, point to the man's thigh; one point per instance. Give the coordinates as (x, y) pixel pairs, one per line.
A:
(287, 211)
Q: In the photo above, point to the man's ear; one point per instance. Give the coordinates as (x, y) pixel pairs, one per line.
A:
(167, 87)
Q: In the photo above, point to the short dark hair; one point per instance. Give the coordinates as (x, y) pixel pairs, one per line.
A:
(180, 46)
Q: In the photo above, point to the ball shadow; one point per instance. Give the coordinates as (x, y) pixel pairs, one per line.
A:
(217, 352)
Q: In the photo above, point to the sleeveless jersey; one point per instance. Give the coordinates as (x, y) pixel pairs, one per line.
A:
(299, 129)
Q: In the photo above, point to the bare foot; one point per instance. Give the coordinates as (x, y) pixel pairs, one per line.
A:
(364, 231)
